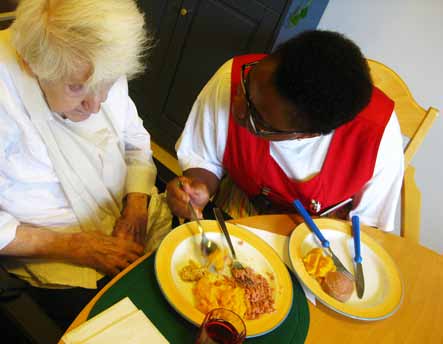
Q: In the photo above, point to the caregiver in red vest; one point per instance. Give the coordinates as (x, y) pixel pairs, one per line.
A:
(304, 122)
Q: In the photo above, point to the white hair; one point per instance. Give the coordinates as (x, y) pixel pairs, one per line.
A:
(58, 37)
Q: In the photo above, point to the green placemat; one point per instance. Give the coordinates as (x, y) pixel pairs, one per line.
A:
(141, 286)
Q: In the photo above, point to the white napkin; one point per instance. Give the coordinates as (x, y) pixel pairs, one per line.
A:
(280, 243)
(120, 323)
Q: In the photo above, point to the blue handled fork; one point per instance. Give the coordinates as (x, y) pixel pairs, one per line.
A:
(324, 242)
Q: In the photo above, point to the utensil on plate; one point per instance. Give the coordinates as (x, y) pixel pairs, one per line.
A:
(207, 246)
(325, 243)
(359, 278)
(387, 288)
(178, 247)
(221, 222)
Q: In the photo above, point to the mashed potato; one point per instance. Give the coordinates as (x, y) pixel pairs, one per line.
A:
(214, 291)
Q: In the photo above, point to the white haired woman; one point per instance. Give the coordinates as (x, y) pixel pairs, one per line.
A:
(76, 168)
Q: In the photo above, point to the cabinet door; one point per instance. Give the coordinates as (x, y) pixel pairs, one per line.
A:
(6, 12)
(193, 39)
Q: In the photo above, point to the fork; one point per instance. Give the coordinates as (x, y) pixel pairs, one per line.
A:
(207, 246)
(220, 220)
(241, 274)
(325, 243)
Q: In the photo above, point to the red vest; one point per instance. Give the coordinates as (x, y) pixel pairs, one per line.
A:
(348, 165)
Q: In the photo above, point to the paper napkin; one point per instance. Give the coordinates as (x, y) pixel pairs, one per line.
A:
(120, 323)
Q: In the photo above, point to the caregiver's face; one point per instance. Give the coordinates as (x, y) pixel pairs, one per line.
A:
(72, 98)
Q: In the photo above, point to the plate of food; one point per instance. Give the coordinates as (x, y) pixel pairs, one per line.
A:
(194, 284)
(383, 292)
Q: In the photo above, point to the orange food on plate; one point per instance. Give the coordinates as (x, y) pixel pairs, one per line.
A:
(317, 264)
(323, 269)
(217, 259)
(215, 291)
(244, 291)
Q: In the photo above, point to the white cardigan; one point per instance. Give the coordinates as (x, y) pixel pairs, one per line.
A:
(30, 188)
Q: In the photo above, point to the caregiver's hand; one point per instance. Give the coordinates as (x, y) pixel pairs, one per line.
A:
(181, 190)
(103, 252)
(132, 223)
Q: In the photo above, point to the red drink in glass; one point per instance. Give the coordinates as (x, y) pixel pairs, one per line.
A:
(221, 326)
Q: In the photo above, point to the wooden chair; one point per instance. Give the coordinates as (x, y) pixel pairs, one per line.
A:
(415, 122)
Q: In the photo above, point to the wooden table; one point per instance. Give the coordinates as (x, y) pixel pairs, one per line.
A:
(417, 321)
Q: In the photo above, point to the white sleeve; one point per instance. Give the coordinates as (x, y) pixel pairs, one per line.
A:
(141, 168)
(8, 228)
(377, 203)
(142, 171)
(8, 223)
(203, 140)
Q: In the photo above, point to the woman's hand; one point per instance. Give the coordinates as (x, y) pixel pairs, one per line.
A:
(181, 190)
(102, 252)
(93, 249)
(132, 223)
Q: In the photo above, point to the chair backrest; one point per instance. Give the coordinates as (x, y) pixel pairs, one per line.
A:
(415, 122)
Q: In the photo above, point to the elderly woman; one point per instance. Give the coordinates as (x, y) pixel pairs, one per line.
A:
(76, 170)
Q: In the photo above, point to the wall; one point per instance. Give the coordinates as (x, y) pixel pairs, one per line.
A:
(310, 22)
(407, 36)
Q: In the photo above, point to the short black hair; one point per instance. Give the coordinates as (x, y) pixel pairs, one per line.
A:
(325, 76)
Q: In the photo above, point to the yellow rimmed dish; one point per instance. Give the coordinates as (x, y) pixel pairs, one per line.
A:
(383, 287)
(182, 244)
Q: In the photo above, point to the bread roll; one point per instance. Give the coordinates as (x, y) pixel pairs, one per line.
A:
(338, 285)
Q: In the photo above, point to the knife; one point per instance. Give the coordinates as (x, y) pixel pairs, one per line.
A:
(359, 278)
(221, 222)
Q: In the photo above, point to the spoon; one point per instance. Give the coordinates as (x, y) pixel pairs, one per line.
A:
(207, 246)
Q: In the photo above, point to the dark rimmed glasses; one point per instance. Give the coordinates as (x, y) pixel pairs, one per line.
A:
(258, 125)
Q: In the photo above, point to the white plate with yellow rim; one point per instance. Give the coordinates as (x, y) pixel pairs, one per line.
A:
(383, 287)
(183, 244)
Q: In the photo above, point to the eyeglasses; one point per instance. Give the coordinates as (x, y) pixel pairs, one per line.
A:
(258, 125)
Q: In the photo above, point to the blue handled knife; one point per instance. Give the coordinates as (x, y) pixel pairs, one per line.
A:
(359, 278)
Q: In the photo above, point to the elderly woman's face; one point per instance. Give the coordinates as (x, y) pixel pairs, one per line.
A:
(72, 99)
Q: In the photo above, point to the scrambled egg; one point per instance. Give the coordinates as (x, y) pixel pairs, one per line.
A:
(192, 272)
(317, 265)
(217, 259)
(214, 291)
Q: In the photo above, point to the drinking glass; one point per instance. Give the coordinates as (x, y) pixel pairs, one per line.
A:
(221, 326)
